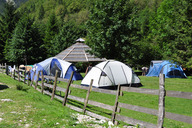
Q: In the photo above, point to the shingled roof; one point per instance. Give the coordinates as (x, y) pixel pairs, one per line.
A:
(78, 53)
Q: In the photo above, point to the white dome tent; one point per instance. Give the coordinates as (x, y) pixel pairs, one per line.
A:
(110, 73)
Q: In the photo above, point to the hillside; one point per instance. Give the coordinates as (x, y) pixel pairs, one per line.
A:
(76, 10)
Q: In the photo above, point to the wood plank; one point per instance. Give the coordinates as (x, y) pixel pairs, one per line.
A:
(42, 82)
(101, 105)
(139, 109)
(57, 88)
(61, 79)
(87, 96)
(95, 89)
(67, 89)
(179, 94)
(55, 85)
(178, 117)
(140, 90)
(47, 93)
(48, 85)
(36, 82)
(116, 104)
(94, 103)
(134, 121)
(18, 76)
(25, 76)
(28, 78)
(58, 79)
(74, 108)
(22, 75)
(49, 77)
(161, 112)
(21, 79)
(14, 74)
(76, 98)
(169, 115)
(62, 89)
(33, 77)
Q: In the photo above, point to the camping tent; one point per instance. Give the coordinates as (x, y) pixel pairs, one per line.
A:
(110, 73)
(50, 65)
(171, 70)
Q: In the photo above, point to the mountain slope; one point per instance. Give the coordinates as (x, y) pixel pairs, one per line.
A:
(65, 10)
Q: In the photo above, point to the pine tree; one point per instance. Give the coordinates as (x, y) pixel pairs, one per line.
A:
(41, 13)
(50, 32)
(26, 45)
(8, 20)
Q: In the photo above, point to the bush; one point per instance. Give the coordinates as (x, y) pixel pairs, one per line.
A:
(21, 88)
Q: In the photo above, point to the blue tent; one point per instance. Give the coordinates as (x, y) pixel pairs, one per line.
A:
(171, 70)
(50, 65)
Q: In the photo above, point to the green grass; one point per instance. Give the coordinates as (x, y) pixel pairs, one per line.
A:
(31, 108)
(173, 105)
(41, 108)
(171, 84)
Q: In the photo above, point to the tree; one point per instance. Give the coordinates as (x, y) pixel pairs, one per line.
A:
(26, 45)
(8, 20)
(172, 30)
(67, 36)
(41, 13)
(50, 32)
(115, 30)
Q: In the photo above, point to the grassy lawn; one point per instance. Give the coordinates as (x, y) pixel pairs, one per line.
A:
(30, 107)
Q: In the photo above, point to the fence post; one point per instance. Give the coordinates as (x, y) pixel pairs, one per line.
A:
(42, 82)
(116, 104)
(36, 82)
(28, 77)
(14, 74)
(55, 84)
(7, 70)
(67, 89)
(18, 75)
(161, 112)
(87, 97)
(24, 76)
(33, 77)
(11, 73)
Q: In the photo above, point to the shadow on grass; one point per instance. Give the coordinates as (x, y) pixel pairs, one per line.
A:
(123, 85)
(3, 87)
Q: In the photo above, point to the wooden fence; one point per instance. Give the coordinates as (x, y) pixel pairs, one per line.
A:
(116, 116)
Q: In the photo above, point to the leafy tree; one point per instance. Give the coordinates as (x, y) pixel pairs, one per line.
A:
(115, 31)
(26, 45)
(172, 30)
(8, 19)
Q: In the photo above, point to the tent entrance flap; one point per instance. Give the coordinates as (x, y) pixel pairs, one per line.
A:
(53, 70)
(55, 65)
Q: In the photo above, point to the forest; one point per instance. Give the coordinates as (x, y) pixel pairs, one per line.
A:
(132, 31)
